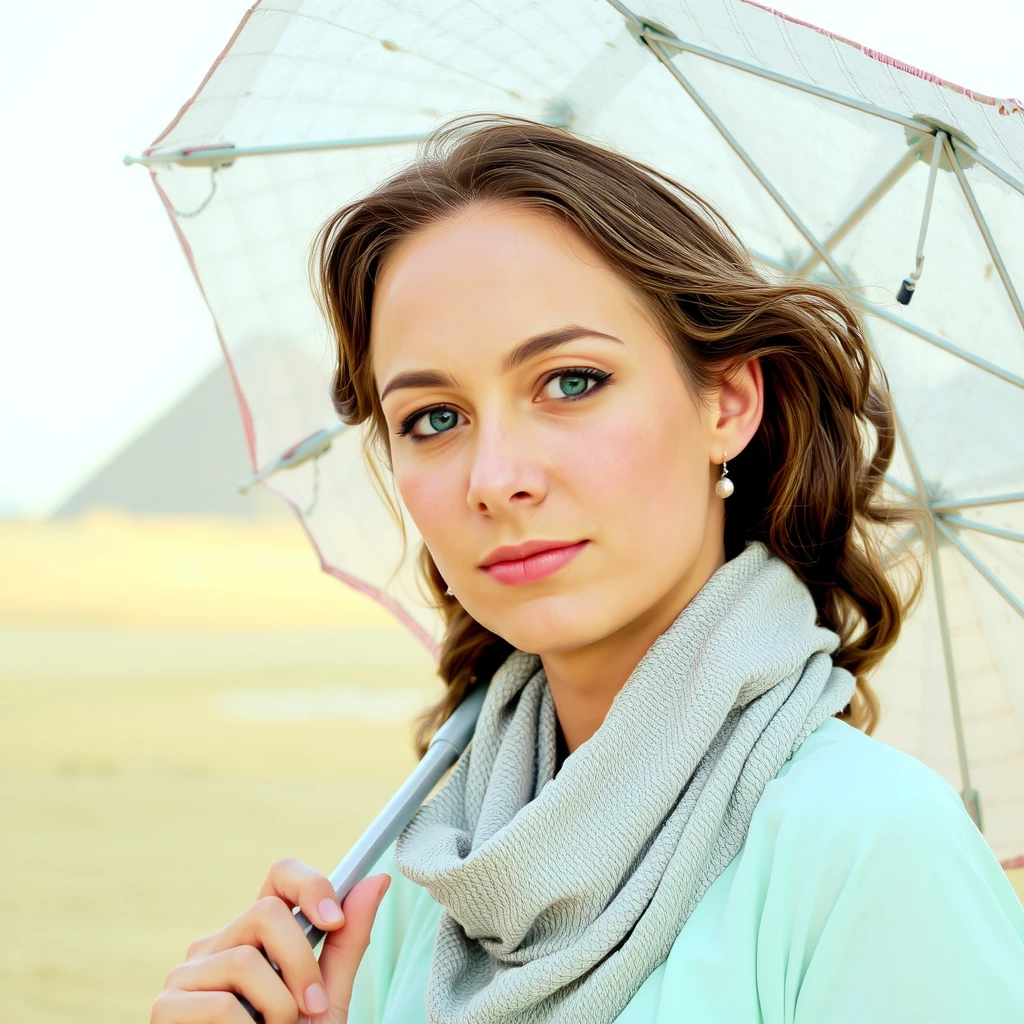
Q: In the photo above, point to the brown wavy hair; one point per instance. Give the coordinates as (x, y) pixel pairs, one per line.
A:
(808, 483)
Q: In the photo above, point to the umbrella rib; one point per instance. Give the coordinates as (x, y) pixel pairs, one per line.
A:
(651, 34)
(906, 292)
(1004, 592)
(985, 571)
(911, 328)
(993, 499)
(311, 447)
(655, 40)
(224, 155)
(901, 545)
(967, 794)
(996, 531)
(985, 162)
(751, 164)
(982, 223)
(947, 346)
(900, 486)
(915, 468)
(863, 208)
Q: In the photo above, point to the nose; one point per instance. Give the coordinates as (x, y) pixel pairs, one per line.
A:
(506, 472)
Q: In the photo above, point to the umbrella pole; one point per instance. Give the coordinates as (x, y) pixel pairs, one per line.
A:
(446, 747)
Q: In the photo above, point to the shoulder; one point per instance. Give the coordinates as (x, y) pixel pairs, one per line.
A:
(864, 863)
(850, 819)
(848, 809)
(842, 785)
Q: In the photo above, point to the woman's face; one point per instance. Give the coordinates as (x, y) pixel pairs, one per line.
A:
(595, 442)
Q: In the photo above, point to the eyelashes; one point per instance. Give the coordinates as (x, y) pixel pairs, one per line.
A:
(589, 373)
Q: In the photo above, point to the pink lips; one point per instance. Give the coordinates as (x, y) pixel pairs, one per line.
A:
(533, 567)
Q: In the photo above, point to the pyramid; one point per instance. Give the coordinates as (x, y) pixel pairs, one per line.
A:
(188, 462)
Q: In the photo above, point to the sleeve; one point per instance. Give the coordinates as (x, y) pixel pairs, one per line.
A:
(377, 968)
(897, 910)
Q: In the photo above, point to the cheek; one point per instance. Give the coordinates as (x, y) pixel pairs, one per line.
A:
(431, 500)
(641, 472)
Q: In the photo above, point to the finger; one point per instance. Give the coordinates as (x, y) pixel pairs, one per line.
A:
(270, 924)
(300, 885)
(241, 969)
(174, 1006)
(343, 950)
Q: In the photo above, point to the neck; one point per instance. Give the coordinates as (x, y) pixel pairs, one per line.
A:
(584, 681)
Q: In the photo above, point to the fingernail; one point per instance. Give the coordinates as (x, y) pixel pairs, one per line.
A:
(316, 998)
(383, 888)
(330, 911)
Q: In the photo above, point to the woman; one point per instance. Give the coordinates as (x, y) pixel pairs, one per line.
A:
(647, 480)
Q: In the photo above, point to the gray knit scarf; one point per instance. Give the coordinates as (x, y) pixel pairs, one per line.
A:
(561, 894)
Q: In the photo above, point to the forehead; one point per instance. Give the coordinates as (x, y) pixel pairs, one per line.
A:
(493, 274)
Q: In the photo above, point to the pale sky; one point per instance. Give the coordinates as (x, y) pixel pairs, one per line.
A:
(102, 328)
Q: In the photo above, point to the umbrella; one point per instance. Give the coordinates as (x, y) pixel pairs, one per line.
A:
(832, 161)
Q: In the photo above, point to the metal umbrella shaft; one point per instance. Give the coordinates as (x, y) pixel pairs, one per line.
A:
(445, 749)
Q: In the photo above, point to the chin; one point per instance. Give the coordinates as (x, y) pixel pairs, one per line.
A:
(550, 625)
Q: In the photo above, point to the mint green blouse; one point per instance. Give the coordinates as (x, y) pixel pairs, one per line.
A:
(863, 892)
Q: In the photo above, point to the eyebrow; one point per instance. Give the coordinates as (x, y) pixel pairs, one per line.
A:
(528, 349)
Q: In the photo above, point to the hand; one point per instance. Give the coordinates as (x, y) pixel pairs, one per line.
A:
(202, 989)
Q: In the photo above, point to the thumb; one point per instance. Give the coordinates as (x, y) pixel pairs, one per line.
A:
(344, 947)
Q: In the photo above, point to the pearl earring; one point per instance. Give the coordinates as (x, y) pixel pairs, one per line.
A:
(449, 592)
(724, 486)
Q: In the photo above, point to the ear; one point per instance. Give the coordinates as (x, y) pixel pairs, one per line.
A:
(735, 410)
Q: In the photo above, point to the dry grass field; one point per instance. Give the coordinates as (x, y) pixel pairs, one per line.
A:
(184, 701)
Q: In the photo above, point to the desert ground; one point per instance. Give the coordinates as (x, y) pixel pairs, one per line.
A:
(184, 701)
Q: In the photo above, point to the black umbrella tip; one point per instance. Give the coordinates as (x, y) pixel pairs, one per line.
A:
(906, 292)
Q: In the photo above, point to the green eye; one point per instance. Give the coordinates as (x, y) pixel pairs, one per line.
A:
(573, 382)
(441, 419)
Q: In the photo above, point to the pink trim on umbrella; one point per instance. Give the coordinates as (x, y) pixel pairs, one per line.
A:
(378, 595)
(209, 74)
(243, 405)
(1004, 106)
(1009, 105)
(389, 603)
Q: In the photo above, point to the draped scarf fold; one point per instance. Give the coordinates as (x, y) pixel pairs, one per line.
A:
(562, 893)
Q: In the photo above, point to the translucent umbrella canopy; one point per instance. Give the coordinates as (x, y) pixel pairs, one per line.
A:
(832, 162)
